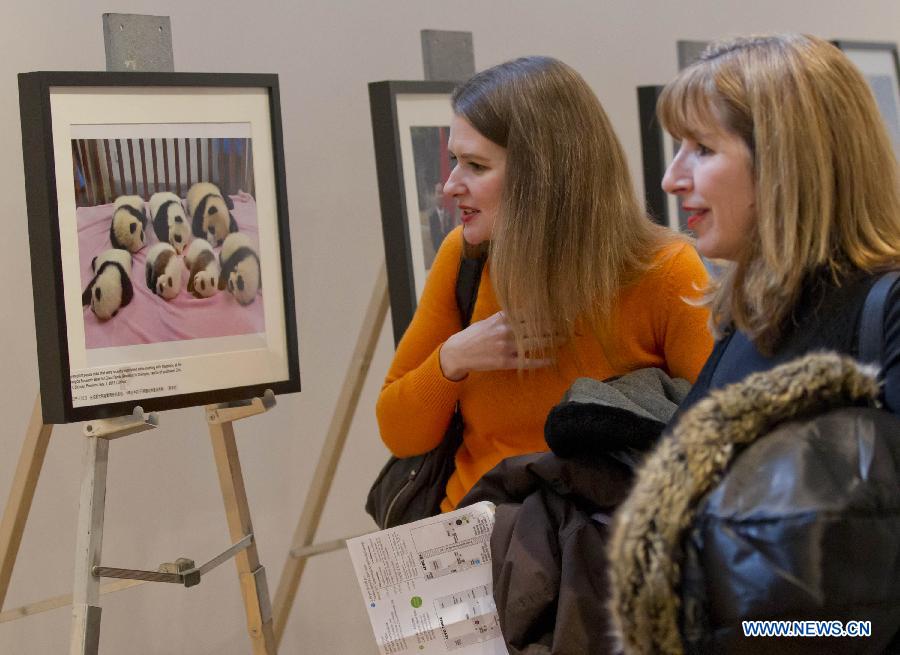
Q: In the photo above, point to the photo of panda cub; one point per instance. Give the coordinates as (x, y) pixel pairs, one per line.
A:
(184, 222)
(241, 274)
(127, 230)
(210, 212)
(163, 270)
(110, 289)
(169, 220)
(209, 288)
(203, 269)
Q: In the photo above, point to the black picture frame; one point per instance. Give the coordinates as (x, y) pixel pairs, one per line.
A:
(657, 150)
(658, 147)
(54, 106)
(398, 107)
(879, 61)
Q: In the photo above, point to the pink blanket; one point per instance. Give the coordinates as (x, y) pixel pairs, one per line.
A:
(149, 318)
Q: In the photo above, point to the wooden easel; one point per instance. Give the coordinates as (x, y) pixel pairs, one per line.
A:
(85, 637)
(302, 543)
(138, 48)
(446, 55)
(85, 634)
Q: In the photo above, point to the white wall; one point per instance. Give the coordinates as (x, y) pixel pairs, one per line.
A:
(163, 499)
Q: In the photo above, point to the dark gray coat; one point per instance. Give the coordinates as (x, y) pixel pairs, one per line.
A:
(549, 568)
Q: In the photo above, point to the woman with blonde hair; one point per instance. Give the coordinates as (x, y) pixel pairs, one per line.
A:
(578, 282)
(772, 507)
(788, 174)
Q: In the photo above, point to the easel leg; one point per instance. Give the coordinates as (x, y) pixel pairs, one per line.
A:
(85, 638)
(28, 470)
(331, 450)
(250, 572)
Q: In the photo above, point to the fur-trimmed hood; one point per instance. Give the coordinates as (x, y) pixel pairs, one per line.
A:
(689, 462)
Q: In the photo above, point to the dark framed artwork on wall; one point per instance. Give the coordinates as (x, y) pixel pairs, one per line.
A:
(410, 128)
(159, 240)
(880, 64)
(658, 147)
(657, 150)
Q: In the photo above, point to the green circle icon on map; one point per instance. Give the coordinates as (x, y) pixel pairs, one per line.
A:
(416, 601)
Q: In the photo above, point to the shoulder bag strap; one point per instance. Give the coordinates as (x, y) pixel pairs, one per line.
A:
(467, 280)
(871, 324)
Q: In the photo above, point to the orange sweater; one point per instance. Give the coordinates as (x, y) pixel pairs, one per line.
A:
(503, 413)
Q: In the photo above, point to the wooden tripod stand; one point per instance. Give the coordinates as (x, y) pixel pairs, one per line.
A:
(446, 56)
(302, 546)
(85, 634)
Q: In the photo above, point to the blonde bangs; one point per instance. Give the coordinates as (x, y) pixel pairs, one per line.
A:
(686, 107)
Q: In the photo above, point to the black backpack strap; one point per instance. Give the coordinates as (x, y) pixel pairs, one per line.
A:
(467, 280)
(871, 324)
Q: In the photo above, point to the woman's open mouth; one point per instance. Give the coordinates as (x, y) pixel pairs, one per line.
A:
(697, 215)
(467, 214)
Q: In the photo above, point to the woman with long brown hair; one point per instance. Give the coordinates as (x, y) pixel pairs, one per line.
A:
(578, 282)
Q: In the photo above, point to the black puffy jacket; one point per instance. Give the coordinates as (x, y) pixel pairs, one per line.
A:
(777, 498)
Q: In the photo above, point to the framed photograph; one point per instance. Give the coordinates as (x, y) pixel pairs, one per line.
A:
(410, 126)
(158, 232)
(657, 150)
(658, 147)
(880, 64)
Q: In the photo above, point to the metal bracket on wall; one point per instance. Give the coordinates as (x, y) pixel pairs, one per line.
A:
(135, 42)
(689, 52)
(447, 56)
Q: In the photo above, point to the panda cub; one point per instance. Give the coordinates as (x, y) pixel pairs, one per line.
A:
(210, 215)
(110, 289)
(203, 278)
(163, 270)
(240, 268)
(129, 223)
(169, 221)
